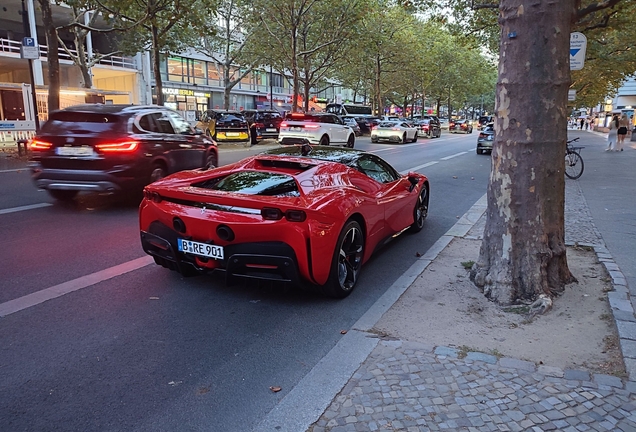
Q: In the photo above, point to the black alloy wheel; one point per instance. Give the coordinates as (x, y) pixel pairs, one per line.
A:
(351, 141)
(346, 261)
(211, 161)
(420, 212)
(158, 172)
(324, 141)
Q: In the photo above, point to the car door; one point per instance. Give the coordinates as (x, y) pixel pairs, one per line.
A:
(341, 130)
(148, 130)
(393, 196)
(190, 149)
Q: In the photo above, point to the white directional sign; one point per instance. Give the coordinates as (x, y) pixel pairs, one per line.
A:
(578, 45)
(29, 49)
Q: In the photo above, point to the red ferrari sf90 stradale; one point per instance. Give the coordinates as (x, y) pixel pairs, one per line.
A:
(292, 214)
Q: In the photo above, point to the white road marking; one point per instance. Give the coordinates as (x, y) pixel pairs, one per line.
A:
(23, 208)
(33, 299)
(13, 170)
(427, 164)
(452, 156)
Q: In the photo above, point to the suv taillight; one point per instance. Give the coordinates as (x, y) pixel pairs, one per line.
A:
(39, 145)
(123, 147)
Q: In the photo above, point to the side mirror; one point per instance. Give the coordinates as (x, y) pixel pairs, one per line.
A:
(414, 181)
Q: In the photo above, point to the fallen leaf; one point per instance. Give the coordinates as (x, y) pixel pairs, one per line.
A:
(472, 178)
(454, 177)
(417, 254)
(275, 389)
(154, 298)
(343, 332)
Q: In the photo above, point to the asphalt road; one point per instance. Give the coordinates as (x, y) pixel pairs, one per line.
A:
(122, 344)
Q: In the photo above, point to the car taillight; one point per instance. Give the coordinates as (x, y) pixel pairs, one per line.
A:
(271, 213)
(38, 145)
(483, 135)
(259, 125)
(123, 147)
(395, 129)
(295, 215)
(312, 126)
(152, 196)
(283, 124)
(451, 124)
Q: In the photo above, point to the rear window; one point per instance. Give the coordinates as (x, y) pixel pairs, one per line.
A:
(268, 116)
(307, 117)
(388, 124)
(254, 183)
(228, 117)
(82, 123)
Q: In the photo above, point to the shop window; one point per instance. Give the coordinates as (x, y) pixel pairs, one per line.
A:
(215, 73)
(197, 71)
(176, 69)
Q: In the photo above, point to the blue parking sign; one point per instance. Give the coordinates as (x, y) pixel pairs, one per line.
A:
(28, 42)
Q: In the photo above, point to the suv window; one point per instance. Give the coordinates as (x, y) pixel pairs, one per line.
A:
(180, 125)
(163, 123)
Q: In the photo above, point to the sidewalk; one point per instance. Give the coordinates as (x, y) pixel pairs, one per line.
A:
(402, 385)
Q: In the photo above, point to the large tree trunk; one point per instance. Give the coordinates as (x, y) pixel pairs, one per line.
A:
(156, 54)
(376, 83)
(226, 87)
(523, 251)
(53, 58)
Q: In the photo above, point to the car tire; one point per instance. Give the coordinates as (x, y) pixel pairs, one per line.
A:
(351, 141)
(346, 261)
(158, 172)
(403, 138)
(420, 212)
(480, 151)
(415, 137)
(324, 141)
(211, 161)
(374, 140)
(62, 195)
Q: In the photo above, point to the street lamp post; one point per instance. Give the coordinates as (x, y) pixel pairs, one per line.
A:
(25, 26)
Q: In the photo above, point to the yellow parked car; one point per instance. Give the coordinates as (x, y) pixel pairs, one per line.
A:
(224, 126)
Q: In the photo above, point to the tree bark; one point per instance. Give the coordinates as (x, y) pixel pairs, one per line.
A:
(156, 64)
(53, 57)
(523, 251)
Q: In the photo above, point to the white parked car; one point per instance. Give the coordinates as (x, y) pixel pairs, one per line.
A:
(317, 128)
(394, 131)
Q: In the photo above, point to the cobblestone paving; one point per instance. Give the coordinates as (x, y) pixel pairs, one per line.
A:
(404, 386)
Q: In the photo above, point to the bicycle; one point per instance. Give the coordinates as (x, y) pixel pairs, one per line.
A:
(574, 165)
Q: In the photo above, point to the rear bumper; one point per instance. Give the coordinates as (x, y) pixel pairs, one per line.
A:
(275, 261)
(115, 180)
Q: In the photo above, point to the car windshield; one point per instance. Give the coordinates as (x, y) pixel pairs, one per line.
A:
(254, 183)
(268, 115)
(82, 123)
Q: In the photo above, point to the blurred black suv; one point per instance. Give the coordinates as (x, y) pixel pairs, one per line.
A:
(264, 124)
(114, 148)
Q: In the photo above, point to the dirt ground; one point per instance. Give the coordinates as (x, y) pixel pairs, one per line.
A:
(443, 307)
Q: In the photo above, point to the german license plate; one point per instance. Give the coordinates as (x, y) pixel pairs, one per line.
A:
(201, 249)
(296, 129)
(270, 130)
(232, 134)
(75, 151)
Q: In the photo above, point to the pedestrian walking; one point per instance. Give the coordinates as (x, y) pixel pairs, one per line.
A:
(581, 122)
(623, 124)
(612, 137)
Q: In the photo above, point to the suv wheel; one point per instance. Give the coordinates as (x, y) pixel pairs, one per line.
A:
(351, 141)
(324, 141)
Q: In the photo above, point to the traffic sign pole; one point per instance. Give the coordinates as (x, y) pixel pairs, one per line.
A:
(36, 117)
